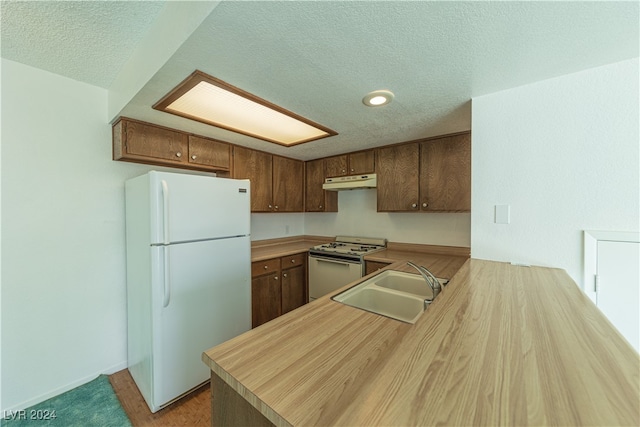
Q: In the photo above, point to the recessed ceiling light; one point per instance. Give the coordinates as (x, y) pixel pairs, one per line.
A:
(378, 98)
(212, 101)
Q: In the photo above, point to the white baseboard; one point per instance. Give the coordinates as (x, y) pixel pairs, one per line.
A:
(48, 395)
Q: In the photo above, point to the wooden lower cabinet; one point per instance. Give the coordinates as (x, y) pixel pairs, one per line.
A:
(278, 286)
(373, 266)
(294, 289)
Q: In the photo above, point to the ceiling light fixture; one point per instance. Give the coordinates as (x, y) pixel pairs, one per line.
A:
(378, 98)
(212, 101)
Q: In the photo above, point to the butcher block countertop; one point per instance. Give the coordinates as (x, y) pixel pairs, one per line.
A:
(267, 249)
(501, 345)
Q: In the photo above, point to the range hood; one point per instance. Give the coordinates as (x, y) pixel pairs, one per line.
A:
(350, 182)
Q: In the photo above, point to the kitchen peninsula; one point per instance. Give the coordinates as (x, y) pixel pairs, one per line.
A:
(501, 345)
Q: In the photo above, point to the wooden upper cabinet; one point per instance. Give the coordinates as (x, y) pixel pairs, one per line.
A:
(445, 174)
(336, 166)
(317, 199)
(277, 183)
(288, 185)
(397, 169)
(209, 152)
(362, 162)
(350, 164)
(143, 142)
(255, 166)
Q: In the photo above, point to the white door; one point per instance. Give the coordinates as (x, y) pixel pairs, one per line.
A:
(194, 207)
(618, 287)
(206, 301)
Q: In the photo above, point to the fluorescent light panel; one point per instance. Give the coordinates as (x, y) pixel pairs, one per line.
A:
(207, 99)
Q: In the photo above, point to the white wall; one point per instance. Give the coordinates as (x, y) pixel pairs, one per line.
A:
(276, 225)
(564, 154)
(63, 258)
(357, 216)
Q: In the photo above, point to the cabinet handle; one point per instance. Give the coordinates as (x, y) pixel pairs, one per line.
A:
(275, 277)
(193, 157)
(320, 207)
(178, 154)
(276, 207)
(270, 207)
(353, 170)
(293, 261)
(266, 267)
(425, 204)
(414, 205)
(284, 274)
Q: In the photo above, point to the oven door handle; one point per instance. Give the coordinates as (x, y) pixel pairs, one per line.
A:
(333, 261)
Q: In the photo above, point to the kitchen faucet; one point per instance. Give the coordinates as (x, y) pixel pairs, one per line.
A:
(431, 280)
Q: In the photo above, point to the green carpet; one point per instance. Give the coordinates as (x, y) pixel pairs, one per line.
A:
(91, 404)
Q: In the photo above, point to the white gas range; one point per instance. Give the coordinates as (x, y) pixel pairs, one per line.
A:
(333, 265)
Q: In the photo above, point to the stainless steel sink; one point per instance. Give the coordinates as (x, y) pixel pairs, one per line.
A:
(393, 294)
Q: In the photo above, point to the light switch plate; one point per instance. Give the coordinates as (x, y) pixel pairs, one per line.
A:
(502, 214)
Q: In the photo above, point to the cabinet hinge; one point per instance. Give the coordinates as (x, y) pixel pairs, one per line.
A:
(596, 283)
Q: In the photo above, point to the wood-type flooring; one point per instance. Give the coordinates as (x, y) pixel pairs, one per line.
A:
(193, 410)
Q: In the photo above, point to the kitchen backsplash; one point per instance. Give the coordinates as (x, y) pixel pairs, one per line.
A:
(357, 216)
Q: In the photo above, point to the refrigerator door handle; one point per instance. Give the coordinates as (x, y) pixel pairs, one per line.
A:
(165, 212)
(167, 280)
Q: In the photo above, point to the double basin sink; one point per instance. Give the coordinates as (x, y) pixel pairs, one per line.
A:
(391, 293)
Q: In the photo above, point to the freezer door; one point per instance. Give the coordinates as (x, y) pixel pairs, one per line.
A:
(195, 207)
(206, 301)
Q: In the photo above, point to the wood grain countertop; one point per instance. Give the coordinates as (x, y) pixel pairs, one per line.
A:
(267, 249)
(501, 345)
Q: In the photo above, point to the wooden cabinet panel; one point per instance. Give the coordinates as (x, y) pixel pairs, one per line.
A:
(278, 286)
(445, 174)
(288, 188)
(257, 167)
(362, 162)
(397, 170)
(209, 152)
(270, 266)
(143, 141)
(336, 166)
(317, 199)
(373, 266)
(293, 288)
(266, 296)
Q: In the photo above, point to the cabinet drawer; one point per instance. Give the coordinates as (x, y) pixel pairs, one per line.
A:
(258, 268)
(292, 260)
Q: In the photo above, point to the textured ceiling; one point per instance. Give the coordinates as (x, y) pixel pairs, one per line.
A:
(320, 58)
(87, 41)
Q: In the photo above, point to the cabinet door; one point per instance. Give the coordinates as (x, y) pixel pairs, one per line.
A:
(293, 288)
(265, 299)
(362, 162)
(255, 166)
(154, 144)
(209, 152)
(288, 188)
(336, 166)
(397, 169)
(317, 199)
(445, 174)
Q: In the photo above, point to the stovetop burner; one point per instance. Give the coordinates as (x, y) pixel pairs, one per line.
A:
(354, 246)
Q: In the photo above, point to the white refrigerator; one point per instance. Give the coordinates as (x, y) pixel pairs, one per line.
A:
(188, 277)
